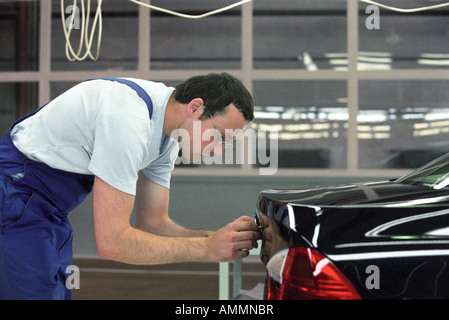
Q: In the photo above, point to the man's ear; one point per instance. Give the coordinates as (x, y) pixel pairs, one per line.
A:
(195, 108)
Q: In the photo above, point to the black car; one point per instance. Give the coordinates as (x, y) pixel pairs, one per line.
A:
(376, 240)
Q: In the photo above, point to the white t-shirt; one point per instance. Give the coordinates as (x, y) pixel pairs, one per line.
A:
(103, 128)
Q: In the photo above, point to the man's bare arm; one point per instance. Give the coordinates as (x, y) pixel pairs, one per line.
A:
(151, 208)
(117, 240)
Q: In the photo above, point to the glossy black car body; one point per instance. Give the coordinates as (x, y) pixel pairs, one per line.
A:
(390, 239)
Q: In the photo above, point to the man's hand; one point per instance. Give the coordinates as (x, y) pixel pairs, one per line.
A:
(234, 240)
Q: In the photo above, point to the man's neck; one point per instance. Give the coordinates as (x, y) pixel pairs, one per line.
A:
(171, 121)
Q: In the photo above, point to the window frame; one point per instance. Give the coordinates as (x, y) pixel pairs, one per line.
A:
(44, 76)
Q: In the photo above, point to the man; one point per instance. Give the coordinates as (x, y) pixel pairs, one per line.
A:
(113, 135)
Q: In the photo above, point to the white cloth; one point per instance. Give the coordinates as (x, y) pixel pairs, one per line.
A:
(103, 128)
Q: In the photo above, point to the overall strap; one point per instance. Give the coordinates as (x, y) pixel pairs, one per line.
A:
(141, 92)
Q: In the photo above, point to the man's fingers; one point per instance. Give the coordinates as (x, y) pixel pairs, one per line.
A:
(264, 221)
(244, 225)
(241, 254)
(235, 240)
(245, 240)
(245, 218)
(245, 236)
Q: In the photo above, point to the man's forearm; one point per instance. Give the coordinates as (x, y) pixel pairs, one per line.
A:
(168, 227)
(135, 246)
(117, 240)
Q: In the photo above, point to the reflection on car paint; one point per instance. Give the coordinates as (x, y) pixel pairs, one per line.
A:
(400, 226)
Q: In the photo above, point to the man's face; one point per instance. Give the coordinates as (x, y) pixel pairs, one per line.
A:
(209, 136)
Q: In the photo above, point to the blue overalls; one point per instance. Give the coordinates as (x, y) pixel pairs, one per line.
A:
(35, 233)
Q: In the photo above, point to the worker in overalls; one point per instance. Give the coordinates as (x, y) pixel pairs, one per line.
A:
(113, 136)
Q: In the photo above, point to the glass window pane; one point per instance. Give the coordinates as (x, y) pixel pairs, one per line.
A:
(311, 120)
(57, 88)
(209, 43)
(402, 40)
(119, 43)
(299, 34)
(402, 124)
(19, 24)
(18, 99)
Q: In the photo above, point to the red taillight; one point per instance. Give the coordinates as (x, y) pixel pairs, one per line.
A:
(303, 273)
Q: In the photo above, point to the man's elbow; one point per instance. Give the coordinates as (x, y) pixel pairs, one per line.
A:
(150, 225)
(104, 253)
(108, 248)
(142, 225)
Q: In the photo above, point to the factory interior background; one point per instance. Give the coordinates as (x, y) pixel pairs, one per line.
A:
(348, 93)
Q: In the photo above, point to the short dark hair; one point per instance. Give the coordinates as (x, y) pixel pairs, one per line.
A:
(217, 92)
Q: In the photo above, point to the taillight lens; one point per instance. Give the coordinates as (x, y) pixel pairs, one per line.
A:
(303, 273)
